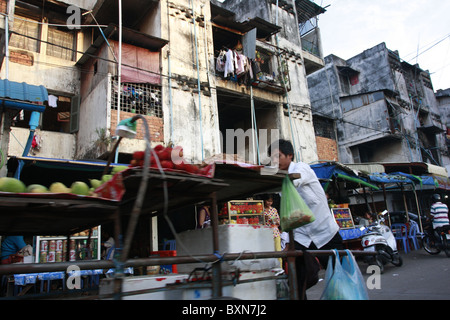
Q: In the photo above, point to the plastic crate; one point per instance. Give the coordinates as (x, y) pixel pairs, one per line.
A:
(170, 268)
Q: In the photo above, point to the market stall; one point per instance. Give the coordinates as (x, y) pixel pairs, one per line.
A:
(146, 189)
(337, 180)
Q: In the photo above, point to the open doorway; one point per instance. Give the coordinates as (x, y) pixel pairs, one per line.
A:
(235, 124)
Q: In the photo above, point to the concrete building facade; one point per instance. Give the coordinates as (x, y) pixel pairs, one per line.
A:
(383, 108)
(170, 75)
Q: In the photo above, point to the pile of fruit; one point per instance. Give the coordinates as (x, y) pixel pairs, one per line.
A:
(170, 158)
(13, 185)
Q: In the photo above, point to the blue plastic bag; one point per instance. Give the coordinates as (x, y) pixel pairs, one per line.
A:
(350, 265)
(343, 283)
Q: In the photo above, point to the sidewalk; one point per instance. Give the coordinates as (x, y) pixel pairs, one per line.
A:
(421, 277)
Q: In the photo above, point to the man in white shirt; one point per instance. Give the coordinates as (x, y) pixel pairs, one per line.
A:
(323, 233)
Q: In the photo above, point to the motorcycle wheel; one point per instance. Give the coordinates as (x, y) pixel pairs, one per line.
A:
(397, 260)
(378, 262)
(445, 245)
(429, 247)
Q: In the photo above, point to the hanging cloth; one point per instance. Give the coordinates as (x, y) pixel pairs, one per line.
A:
(52, 101)
(220, 62)
(240, 64)
(229, 64)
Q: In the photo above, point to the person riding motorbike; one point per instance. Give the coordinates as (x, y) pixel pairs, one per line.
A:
(439, 214)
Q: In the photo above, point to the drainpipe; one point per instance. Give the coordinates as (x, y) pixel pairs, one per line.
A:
(198, 79)
(7, 41)
(255, 129)
(34, 122)
(119, 74)
(170, 76)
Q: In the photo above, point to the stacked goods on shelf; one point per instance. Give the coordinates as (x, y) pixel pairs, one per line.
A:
(242, 212)
(54, 248)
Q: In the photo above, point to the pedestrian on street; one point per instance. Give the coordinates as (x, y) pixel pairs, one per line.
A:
(323, 233)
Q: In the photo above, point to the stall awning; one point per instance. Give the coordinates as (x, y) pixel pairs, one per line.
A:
(356, 180)
(416, 168)
(20, 95)
(401, 177)
(442, 182)
(389, 178)
(329, 170)
(437, 170)
(366, 167)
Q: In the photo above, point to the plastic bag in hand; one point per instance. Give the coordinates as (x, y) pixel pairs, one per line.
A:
(294, 212)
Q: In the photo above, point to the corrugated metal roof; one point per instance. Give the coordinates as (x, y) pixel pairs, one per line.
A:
(22, 91)
(307, 9)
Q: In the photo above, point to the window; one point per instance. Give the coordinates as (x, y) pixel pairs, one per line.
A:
(139, 98)
(324, 127)
(348, 78)
(25, 34)
(61, 44)
(354, 79)
(55, 118)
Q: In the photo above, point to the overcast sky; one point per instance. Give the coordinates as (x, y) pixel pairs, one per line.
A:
(349, 27)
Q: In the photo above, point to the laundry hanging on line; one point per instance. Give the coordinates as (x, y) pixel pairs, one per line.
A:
(237, 67)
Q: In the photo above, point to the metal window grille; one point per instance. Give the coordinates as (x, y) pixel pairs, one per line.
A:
(139, 98)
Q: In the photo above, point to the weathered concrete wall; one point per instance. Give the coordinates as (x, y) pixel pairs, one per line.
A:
(375, 69)
(55, 74)
(375, 74)
(53, 144)
(94, 116)
(83, 4)
(298, 128)
(324, 90)
(190, 118)
(249, 9)
(365, 123)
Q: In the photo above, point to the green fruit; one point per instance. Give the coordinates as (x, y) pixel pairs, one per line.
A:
(106, 177)
(8, 184)
(58, 187)
(95, 183)
(36, 188)
(2, 181)
(118, 169)
(80, 188)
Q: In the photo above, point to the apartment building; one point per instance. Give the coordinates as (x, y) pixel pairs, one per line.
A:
(383, 108)
(172, 56)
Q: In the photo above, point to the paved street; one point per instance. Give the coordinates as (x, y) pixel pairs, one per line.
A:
(422, 277)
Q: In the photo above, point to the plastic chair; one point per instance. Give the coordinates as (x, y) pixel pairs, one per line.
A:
(172, 245)
(412, 234)
(400, 232)
(110, 252)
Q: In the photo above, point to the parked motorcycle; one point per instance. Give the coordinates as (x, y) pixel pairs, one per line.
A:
(381, 240)
(435, 241)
